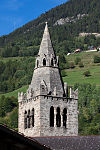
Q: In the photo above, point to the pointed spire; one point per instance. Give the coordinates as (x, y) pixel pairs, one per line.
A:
(46, 70)
(46, 46)
(46, 28)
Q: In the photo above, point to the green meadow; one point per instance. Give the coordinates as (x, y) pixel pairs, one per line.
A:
(76, 75)
(15, 92)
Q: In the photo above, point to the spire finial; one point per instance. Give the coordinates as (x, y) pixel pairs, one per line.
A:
(46, 22)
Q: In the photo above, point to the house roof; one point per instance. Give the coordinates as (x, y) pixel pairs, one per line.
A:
(71, 143)
(49, 143)
(17, 139)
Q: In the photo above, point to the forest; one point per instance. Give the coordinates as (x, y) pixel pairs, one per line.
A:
(15, 73)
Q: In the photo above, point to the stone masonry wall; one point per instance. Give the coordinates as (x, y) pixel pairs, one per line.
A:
(51, 77)
(41, 105)
(72, 117)
(25, 106)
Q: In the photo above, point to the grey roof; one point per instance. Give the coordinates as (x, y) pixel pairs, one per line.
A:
(53, 143)
(46, 45)
(71, 143)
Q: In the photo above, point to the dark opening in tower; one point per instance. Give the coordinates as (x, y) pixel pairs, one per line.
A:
(37, 63)
(58, 117)
(28, 118)
(25, 119)
(33, 117)
(64, 117)
(52, 116)
(44, 62)
(52, 62)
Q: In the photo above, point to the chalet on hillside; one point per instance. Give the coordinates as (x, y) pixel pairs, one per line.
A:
(77, 50)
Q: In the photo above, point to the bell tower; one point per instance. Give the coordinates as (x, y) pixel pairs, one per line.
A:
(46, 110)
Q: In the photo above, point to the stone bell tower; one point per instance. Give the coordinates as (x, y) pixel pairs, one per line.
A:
(46, 110)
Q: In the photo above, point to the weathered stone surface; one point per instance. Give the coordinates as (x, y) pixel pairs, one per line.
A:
(45, 91)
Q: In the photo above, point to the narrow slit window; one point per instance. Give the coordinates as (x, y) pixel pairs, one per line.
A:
(37, 63)
(52, 62)
(33, 117)
(58, 117)
(64, 117)
(52, 116)
(25, 119)
(28, 118)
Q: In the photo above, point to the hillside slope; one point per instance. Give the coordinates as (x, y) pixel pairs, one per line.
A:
(76, 75)
(82, 16)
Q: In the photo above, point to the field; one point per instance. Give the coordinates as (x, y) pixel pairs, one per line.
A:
(86, 57)
(76, 75)
(15, 93)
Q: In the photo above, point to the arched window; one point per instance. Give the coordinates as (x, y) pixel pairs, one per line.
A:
(33, 117)
(25, 119)
(44, 62)
(64, 117)
(28, 119)
(52, 116)
(37, 63)
(58, 117)
(52, 62)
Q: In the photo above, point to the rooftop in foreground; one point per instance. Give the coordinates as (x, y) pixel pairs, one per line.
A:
(48, 143)
(71, 143)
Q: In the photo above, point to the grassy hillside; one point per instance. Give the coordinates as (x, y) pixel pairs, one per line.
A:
(15, 92)
(76, 75)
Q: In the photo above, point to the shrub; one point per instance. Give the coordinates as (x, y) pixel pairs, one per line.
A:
(19, 73)
(87, 73)
(67, 66)
(72, 65)
(63, 73)
(63, 63)
(77, 60)
(81, 64)
(96, 59)
(7, 104)
(97, 49)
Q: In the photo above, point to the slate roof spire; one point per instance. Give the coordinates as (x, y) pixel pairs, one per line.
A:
(46, 45)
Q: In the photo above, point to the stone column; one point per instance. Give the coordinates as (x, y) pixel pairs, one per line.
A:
(61, 113)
